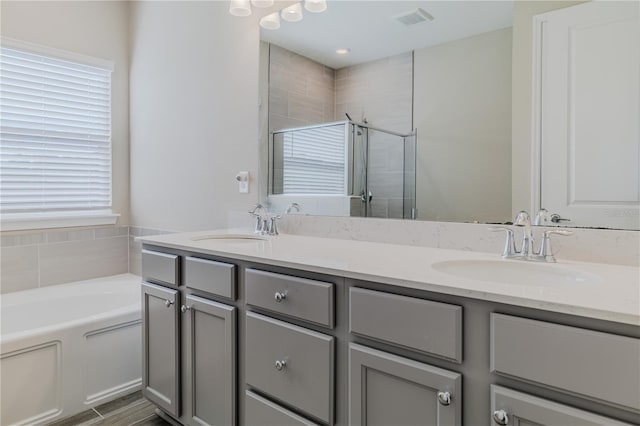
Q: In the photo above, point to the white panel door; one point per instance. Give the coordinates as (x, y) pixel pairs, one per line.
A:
(589, 113)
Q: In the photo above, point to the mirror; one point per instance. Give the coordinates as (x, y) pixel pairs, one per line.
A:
(459, 74)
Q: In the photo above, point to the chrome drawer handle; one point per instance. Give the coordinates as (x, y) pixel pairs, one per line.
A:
(280, 365)
(280, 296)
(168, 303)
(444, 398)
(501, 417)
(185, 308)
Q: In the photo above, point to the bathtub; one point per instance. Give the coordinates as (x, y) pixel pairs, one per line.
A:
(66, 348)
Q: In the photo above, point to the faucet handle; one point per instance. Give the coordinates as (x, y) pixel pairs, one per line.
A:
(509, 244)
(273, 225)
(545, 248)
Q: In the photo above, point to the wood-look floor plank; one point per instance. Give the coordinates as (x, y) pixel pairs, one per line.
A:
(78, 419)
(118, 403)
(129, 410)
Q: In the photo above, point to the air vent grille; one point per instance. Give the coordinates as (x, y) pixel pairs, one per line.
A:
(414, 17)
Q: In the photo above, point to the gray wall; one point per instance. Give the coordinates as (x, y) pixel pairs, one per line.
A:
(194, 113)
(464, 129)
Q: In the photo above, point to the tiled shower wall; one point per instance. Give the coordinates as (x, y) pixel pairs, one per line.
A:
(301, 91)
(43, 258)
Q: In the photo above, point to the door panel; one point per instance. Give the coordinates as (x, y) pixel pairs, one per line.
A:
(386, 389)
(160, 336)
(523, 409)
(589, 115)
(211, 361)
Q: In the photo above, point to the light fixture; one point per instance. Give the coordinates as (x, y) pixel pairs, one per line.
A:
(343, 51)
(240, 8)
(262, 3)
(292, 13)
(271, 21)
(315, 6)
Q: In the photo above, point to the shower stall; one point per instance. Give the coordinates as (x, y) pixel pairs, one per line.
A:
(345, 168)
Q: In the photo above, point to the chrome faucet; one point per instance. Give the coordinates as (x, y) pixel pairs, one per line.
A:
(527, 251)
(267, 224)
(523, 219)
(261, 219)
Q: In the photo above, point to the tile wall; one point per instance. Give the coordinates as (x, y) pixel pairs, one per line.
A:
(41, 258)
(301, 91)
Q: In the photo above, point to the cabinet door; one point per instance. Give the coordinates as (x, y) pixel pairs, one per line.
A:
(210, 354)
(386, 389)
(520, 409)
(161, 358)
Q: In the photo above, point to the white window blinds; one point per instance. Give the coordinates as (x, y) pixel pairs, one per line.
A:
(55, 134)
(314, 161)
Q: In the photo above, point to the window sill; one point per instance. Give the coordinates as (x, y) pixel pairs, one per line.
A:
(20, 222)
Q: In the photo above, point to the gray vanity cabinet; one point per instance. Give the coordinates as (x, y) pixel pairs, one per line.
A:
(161, 347)
(510, 407)
(386, 389)
(189, 354)
(210, 361)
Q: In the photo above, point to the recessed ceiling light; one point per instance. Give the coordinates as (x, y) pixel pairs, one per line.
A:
(343, 51)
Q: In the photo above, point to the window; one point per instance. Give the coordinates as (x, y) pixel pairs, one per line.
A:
(310, 160)
(55, 131)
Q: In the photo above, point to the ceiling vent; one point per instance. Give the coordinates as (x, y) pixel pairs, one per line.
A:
(414, 17)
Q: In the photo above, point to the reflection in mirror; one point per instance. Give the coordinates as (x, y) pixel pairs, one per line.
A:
(358, 169)
(460, 76)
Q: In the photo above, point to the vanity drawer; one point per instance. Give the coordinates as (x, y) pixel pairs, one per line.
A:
(260, 411)
(305, 299)
(306, 381)
(160, 267)
(602, 366)
(431, 327)
(210, 276)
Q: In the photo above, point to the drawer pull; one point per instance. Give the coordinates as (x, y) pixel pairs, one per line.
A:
(185, 308)
(444, 398)
(501, 417)
(168, 303)
(280, 365)
(280, 296)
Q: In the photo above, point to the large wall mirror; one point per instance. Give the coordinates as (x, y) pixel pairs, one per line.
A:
(463, 111)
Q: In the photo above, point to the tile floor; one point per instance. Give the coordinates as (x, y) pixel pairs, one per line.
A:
(128, 410)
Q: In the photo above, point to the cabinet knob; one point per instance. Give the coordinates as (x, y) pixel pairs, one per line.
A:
(280, 296)
(444, 398)
(501, 417)
(168, 303)
(280, 365)
(185, 308)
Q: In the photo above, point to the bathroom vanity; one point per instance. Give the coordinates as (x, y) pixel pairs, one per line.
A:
(314, 331)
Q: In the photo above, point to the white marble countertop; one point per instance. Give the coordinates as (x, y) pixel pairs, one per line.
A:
(613, 294)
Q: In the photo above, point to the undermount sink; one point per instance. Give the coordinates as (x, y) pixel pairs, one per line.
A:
(516, 272)
(234, 237)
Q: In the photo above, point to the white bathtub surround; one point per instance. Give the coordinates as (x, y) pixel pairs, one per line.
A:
(415, 267)
(617, 247)
(66, 348)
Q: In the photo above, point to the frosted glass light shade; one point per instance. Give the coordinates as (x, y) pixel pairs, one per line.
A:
(262, 3)
(315, 6)
(292, 13)
(271, 21)
(240, 8)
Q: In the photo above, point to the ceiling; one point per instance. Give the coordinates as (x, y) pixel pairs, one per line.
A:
(370, 30)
